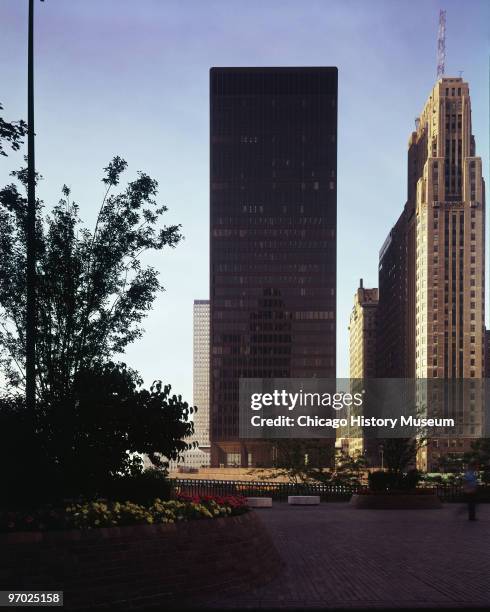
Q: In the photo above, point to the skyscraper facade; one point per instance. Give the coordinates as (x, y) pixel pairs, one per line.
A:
(362, 333)
(273, 237)
(450, 240)
(395, 342)
(450, 264)
(201, 373)
(362, 356)
(432, 265)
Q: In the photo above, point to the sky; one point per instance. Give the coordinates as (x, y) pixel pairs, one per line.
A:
(130, 78)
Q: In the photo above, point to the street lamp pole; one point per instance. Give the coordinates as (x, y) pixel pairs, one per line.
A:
(31, 226)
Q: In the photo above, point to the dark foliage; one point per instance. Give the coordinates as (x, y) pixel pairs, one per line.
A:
(312, 461)
(89, 444)
(400, 453)
(11, 133)
(393, 481)
(141, 488)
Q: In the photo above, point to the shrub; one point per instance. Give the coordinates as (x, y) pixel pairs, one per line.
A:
(390, 481)
(381, 481)
(141, 488)
(410, 480)
(81, 442)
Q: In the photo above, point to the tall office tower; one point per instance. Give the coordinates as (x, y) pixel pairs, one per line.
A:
(431, 271)
(273, 237)
(450, 240)
(362, 355)
(201, 373)
(395, 351)
(432, 266)
(395, 342)
(362, 333)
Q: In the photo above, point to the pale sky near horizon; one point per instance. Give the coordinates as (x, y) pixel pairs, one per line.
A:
(119, 77)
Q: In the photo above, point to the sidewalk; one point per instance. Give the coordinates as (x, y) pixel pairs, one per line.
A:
(339, 557)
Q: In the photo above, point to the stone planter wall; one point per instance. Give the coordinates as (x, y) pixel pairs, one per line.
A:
(396, 502)
(140, 566)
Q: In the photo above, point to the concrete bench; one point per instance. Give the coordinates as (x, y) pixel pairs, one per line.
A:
(304, 500)
(259, 502)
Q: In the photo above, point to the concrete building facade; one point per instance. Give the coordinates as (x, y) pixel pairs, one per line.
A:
(201, 373)
(362, 333)
(362, 357)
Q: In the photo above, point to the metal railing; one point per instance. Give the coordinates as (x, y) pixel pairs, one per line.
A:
(276, 490)
(280, 490)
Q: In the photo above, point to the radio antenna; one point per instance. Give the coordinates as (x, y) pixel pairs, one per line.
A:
(441, 45)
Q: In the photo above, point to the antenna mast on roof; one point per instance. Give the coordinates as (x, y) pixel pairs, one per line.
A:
(441, 45)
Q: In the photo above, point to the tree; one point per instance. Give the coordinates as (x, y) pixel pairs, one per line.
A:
(304, 462)
(92, 290)
(11, 133)
(452, 463)
(478, 455)
(294, 458)
(400, 453)
(93, 419)
(348, 471)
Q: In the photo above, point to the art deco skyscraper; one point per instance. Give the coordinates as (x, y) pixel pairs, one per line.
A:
(273, 237)
(450, 239)
(432, 266)
(450, 262)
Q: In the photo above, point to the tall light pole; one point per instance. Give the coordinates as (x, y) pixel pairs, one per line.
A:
(31, 225)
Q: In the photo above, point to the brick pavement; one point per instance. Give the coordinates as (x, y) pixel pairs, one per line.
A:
(337, 556)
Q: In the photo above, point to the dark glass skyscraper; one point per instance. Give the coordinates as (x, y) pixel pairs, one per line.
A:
(273, 237)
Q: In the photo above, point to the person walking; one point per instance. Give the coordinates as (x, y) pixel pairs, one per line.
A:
(470, 489)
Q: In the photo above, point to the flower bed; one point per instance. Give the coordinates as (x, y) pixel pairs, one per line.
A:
(97, 514)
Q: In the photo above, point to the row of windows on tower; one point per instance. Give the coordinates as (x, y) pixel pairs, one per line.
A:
(287, 184)
(250, 267)
(453, 120)
(238, 220)
(245, 139)
(436, 226)
(453, 91)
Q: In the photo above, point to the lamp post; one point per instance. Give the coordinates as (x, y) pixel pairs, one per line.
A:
(31, 225)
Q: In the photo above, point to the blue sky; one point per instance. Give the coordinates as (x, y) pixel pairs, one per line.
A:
(130, 78)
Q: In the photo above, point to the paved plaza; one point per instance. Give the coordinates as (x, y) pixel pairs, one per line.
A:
(337, 556)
